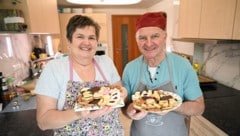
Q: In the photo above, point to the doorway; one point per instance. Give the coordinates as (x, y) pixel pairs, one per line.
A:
(124, 43)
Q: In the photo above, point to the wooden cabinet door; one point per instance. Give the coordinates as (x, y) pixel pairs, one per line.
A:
(43, 16)
(236, 27)
(63, 19)
(100, 18)
(189, 18)
(208, 19)
(125, 47)
(217, 18)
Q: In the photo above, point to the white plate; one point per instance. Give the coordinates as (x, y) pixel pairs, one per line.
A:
(175, 96)
(78, 108)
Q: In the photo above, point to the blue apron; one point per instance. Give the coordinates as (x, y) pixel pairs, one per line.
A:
(171, 124)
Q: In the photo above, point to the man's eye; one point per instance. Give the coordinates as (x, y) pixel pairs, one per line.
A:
(155, 36)
(142, 38)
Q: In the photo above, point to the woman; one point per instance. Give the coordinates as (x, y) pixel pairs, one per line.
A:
(62, 78)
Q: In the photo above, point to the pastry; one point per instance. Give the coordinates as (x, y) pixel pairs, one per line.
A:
(99, 96)
(154, 100)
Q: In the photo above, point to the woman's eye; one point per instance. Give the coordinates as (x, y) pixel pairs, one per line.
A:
(80, 37)
(92, 38)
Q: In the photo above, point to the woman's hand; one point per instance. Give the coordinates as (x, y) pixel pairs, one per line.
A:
(134, 113)
(123, 92)
(95, 113)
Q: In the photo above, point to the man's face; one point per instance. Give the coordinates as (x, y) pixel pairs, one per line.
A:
(151, 41)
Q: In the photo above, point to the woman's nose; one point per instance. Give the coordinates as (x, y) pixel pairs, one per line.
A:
(85, 41)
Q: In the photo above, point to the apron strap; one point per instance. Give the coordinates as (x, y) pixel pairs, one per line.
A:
(100, 70)
(70, 69)
(95, 63)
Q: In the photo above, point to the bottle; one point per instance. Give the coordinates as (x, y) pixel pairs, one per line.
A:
(1, 101)
(5, 92)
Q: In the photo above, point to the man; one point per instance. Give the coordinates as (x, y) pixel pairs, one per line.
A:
(156, 69)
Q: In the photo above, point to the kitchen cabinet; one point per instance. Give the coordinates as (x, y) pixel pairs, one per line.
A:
(41, 16)
(189, 22)
(208, 19)
(100, 18)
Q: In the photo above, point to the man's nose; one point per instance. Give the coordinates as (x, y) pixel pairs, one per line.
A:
(149, 41)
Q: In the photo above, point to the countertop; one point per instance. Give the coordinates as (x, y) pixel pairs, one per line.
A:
(222, 110)
(18, 104)
(21, 123)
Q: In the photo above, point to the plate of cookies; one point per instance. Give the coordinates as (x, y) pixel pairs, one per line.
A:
(156, 101)
(97, 97)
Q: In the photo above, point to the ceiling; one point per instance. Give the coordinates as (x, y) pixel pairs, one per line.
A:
(142, 4)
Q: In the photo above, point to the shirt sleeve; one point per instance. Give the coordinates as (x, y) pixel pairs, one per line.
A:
(47, 83)
(191, 87)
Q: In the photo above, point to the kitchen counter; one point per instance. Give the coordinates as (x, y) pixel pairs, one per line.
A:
(21, 123)
(223, 108)
(18, 104)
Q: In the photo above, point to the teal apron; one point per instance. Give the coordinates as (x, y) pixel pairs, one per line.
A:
(171, 124)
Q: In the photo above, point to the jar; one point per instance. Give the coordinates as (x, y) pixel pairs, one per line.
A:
(5, 94)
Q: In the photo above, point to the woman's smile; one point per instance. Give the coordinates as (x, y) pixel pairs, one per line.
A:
(85, 48)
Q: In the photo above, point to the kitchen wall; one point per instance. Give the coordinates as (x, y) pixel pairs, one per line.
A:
(110, 12)
(172, 24)
(219, 61)
(15, 50)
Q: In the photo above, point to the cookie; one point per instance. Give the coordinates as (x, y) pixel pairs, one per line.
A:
(154, 100)
(99, 96)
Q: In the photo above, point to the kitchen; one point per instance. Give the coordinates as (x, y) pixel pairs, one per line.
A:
(217, 56)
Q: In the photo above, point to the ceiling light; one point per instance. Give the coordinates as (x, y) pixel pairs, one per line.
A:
(176, 2)
(104, 2)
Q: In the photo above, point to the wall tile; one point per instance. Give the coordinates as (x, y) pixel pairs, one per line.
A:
(222, 63)
(15, 64)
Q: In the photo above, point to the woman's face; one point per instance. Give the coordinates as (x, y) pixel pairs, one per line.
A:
(84, 42)
(151, 42)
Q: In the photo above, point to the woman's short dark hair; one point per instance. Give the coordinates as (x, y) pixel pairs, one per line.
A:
(79, 21)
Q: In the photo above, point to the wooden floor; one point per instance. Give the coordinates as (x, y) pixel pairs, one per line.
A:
(199, 126)
(126, 122)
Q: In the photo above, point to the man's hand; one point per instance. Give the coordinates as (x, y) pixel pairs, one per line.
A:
(134, 113)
